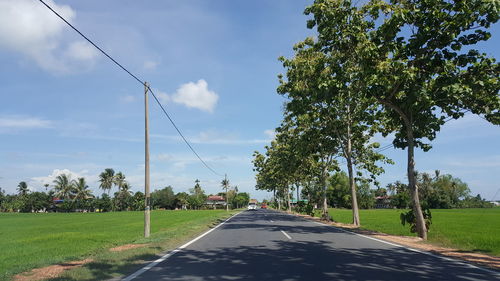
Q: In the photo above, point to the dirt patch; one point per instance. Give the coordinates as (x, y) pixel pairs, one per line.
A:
(47, 272)
(418, 243)
(127, 247)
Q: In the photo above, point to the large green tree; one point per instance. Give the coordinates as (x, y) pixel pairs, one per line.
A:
(326, 86)
(415, 59)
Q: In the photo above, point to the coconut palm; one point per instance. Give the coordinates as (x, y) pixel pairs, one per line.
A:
(107, 179)
(124, 196)
(82, 192)
(22, 187)
(225, 185)
(63, 186)
(119, 180)
(81, 189)
(125, 187)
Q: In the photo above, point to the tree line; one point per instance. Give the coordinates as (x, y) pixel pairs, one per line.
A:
(400, 69)
(69, 195)
(436, 192)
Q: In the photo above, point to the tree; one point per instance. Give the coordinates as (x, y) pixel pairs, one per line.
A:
(225, 185)
(107, 179)
(412, 60)
(163, 198)
(22, 188)
(104, 203)
(81, 191)
(181, 200)
(123, 198)
(36, 201)
(119, 180)
(324, 83)
(197, 196)
(138, 201)
(64, 187)
(241, 199)
(400, 195)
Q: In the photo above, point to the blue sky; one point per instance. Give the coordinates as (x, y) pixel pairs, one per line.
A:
(66, 108)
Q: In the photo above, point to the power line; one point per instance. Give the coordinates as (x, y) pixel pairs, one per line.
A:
(93, 44)
(178, 131)
(135, 78)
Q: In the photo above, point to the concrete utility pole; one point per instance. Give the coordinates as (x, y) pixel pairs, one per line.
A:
(147, 219)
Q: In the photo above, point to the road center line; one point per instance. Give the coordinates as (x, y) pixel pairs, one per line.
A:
(284, 233)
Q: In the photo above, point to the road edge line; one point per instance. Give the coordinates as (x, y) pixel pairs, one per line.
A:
(461, 262)
(173, 252)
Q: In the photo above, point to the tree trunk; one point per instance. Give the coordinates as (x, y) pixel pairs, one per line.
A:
(288, 197)
(274, 195)
(298, 196)
(352, 184)
(325, 215)
(417, 209)
(279, 201)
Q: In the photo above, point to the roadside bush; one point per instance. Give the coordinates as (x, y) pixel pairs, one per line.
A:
(409, 218)
(305, 208)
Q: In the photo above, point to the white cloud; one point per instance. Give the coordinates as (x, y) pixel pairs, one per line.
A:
(40, 181)
(163, 157)
(162, 96)
(271, 134)
(82, 51)
(196, 95)
(20, 122)
(150, 65)
(128, 99)
(29, 28)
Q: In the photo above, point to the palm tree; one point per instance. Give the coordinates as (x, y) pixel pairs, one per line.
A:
(123, 196)
(225, 185)
(125, 187)
(119, 180)
(82, 190)
(63, 186)
(22, 187)
(107, 179)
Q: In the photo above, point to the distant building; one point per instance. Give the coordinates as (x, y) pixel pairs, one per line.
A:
(215, 201)
(496, 203)
(383, 202)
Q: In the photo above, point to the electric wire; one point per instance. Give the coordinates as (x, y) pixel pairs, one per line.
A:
(135, 78)
(182, 136)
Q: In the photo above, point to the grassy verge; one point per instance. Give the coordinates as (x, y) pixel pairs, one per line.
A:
(465, 229)
(36, 240)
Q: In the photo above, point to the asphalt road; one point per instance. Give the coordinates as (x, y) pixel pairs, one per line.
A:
(267, 245)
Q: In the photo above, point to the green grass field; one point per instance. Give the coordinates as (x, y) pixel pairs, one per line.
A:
(34, 240)
(465, 229)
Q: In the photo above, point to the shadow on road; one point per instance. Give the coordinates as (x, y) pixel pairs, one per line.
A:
(294, 260)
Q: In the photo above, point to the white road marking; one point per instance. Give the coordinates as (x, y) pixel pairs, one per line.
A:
(169, 254)
(413, 250)
(271, 220)
(284, 233)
